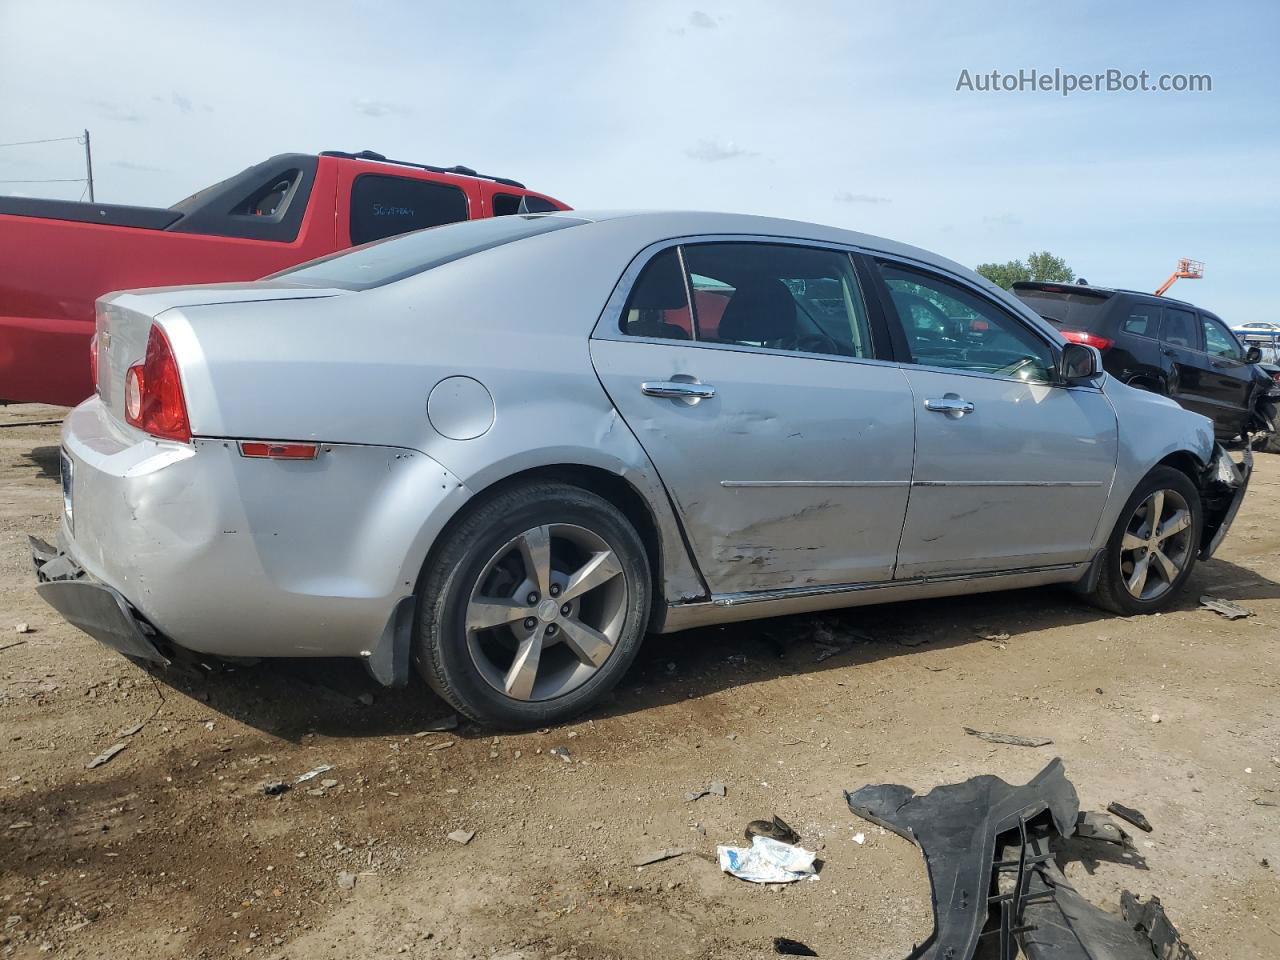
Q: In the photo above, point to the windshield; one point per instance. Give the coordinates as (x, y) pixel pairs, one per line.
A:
(386, 261)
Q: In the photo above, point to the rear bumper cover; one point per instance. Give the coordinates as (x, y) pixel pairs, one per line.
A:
(98, 610)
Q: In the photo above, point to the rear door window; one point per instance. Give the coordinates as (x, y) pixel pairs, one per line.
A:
(779, 297)
(659, 304)
(1179, 329)
(384, 206)
(1143, 320)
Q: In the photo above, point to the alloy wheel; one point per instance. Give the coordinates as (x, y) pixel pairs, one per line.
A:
(546, 612)
(1156, 546)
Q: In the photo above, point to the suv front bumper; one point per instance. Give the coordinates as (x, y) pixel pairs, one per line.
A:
(1222, 488)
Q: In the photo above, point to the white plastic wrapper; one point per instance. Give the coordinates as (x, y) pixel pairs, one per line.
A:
(768, 861)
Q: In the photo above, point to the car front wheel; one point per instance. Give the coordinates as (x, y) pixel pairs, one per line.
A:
(534, 607)
(1153, 548)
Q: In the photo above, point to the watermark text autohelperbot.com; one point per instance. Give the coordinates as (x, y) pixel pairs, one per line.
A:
(1066, 83)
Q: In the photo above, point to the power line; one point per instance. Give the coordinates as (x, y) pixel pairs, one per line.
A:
(24, 143)
(72, 180)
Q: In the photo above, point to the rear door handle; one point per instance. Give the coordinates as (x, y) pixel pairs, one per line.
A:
(677, 389)
(952, 406)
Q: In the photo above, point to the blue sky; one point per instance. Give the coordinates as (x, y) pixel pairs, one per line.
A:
(843, 113)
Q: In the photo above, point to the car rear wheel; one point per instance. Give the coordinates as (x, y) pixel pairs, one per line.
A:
(1153, 548)
(534, 607)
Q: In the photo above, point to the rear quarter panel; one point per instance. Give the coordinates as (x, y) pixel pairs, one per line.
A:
(360, 369)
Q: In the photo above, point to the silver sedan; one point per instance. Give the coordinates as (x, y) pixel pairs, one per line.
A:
(502, 451)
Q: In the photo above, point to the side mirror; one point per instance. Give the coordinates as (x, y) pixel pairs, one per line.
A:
(1079, 363)
(1253, 355)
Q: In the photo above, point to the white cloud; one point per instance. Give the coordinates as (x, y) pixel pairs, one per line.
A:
(712, 151)
(370, 107)
(847, 197)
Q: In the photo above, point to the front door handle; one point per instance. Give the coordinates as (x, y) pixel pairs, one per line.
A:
(951, 405)
(677, 389)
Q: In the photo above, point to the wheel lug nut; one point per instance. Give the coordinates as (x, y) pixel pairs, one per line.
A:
(566, 609)
(533, 598)
(552, 630)
(530, 623)
(555, 589)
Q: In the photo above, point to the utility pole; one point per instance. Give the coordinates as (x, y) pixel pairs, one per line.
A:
(88, 164)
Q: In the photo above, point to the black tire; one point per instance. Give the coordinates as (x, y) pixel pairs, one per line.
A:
(1111, 592)
(441, 650)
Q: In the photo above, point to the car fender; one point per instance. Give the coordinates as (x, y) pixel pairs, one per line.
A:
(1153, 429)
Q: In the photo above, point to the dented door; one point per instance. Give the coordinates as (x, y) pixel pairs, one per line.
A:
(790, 470)
(1016, 477)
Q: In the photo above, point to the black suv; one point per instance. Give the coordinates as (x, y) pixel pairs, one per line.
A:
(1167, 346)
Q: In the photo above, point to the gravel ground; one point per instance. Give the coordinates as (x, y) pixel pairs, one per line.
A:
(172, 849)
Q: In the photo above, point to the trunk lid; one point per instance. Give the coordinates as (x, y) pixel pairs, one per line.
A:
(123, 323)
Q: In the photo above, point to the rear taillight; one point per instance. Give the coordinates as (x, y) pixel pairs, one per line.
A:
(1087, 338)
(93, 361)
(153, 399)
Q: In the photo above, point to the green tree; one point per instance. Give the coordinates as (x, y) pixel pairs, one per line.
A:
(1039, 266)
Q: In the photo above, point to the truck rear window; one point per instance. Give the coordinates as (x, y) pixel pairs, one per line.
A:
(1079, 311)
(386, 261)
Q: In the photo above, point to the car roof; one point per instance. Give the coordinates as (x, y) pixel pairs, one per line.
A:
(670, 224)
(1047, 286)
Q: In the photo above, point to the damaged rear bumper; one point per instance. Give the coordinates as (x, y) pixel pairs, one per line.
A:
(1222, 488)
(97, 609)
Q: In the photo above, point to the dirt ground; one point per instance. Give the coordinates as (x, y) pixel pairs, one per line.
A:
(172, 849)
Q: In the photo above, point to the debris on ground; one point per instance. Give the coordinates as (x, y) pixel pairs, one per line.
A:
(440, 726)
(792, 948)
(346, 881)
(1150, 919)
(562, 753)
(826, 653)
(715, 787)
(986, 833)
(1228, 609)
(133, 728)
(1010, 738)
(22, 627)
(105, 756)
(365, 699)
(275, 788)
(768, 861)
(774, 828)
(312, 774)
(462, 836)
(657, 856)
(1131, 815)
(21, 825)
(859, 838)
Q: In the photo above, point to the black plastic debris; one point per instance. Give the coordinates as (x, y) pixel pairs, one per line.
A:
(792, 948)
(1060, 924)
(276, 788)
(993, 852)
(1151, 921)
(1131, 815)
(956, 827)
(775, 828)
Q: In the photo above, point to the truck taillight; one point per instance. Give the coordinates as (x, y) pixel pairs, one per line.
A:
(153, 399)
(1087, 338)
(93, 361)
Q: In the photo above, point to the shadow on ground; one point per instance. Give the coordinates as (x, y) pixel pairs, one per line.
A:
(337, 698)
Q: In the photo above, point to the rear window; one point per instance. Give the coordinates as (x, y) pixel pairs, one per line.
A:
(383, 206)
(386, 261)
(1077, 311)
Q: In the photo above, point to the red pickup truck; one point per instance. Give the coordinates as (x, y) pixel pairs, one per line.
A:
(57, 257)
